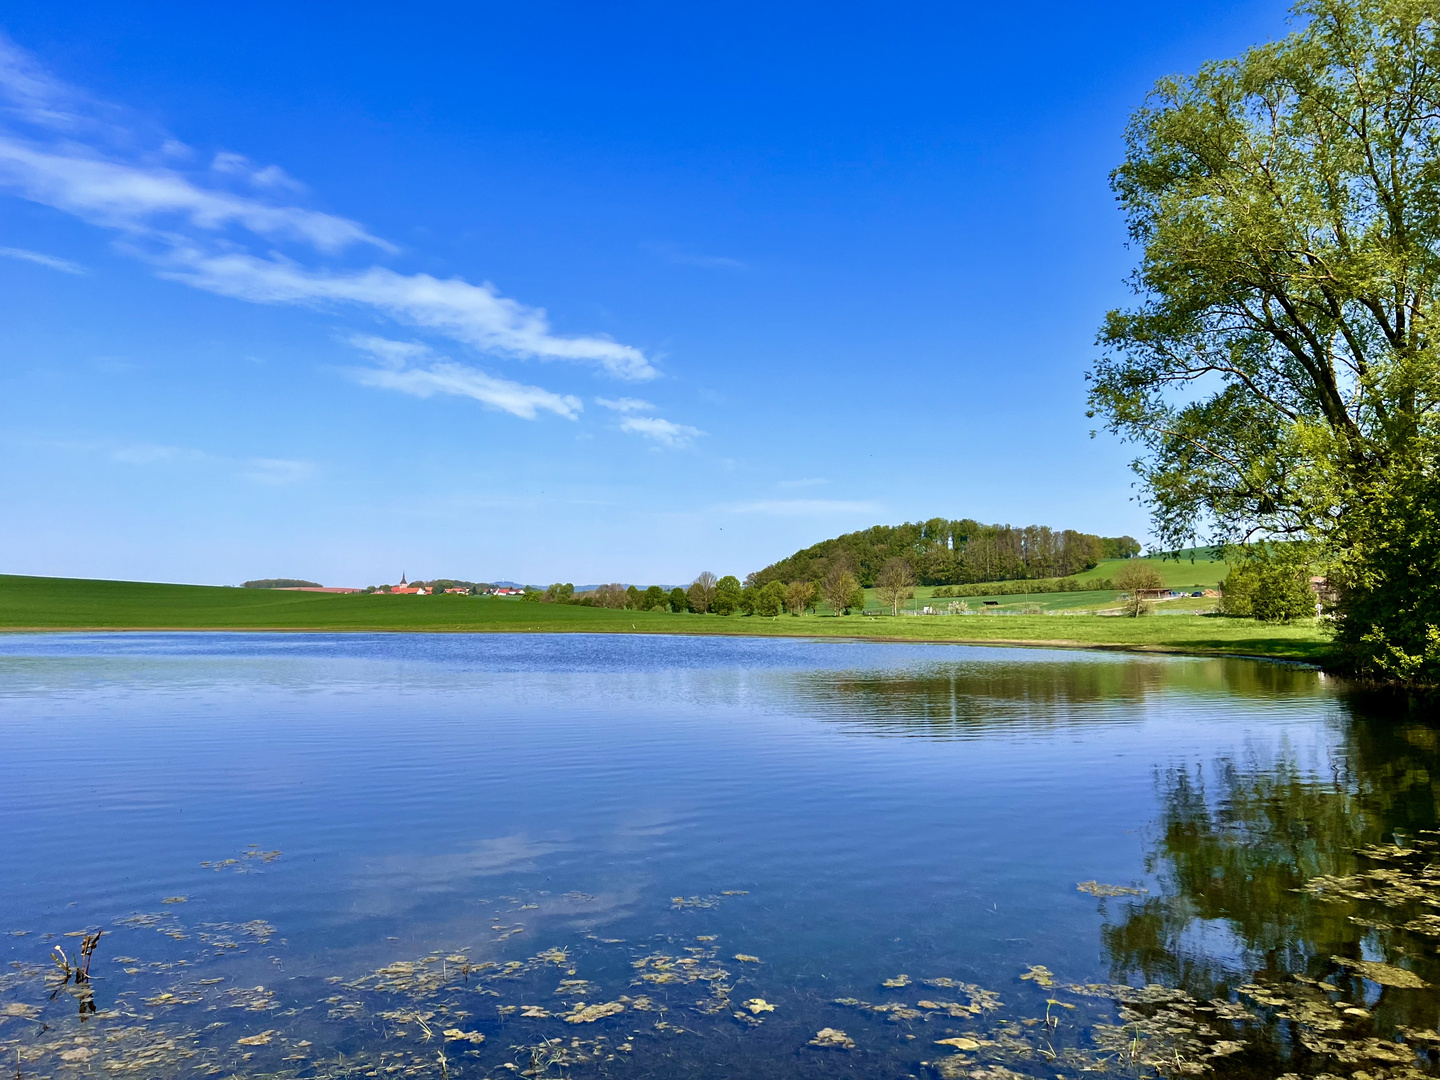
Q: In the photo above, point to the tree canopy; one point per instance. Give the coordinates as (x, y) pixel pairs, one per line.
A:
(1280, 370)
(945, 552)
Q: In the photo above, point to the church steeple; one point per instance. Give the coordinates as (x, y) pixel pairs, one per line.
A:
(402, 578)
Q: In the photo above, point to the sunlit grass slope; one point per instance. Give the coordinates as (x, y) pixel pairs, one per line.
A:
(1202, 573)
(69, 604)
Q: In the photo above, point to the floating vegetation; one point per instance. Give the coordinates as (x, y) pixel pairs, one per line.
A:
(588, 1014)
(1040, 975)
(1383, 974)
(959, 1043)
(246, 862)
(1094, 888)
(189, 1001)
(832, 1039)
(456, 1034)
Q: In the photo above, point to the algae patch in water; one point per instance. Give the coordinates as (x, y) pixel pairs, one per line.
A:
(832, 1039)
(447, 1014)
(1094, 888)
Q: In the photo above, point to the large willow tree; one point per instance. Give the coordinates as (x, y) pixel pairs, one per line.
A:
(1280, 370)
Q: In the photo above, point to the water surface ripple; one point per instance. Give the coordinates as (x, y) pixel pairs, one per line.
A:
(368, 841)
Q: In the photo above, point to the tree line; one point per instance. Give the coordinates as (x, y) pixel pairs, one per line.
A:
(711, 595)
(945, 552)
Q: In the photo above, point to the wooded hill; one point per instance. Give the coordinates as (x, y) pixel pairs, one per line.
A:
(944, 552)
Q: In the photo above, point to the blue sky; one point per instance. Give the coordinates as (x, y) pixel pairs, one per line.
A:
(557, 291)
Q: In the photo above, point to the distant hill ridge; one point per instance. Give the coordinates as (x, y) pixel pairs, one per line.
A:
(954, 552)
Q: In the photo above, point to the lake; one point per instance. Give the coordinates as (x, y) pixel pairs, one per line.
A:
(570, 855)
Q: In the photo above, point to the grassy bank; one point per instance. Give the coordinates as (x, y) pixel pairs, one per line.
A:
(31, 603)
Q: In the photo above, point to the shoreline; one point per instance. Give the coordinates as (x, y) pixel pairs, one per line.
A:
(1012, 643)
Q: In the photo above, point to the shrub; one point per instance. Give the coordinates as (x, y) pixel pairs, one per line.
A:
(1269, 587)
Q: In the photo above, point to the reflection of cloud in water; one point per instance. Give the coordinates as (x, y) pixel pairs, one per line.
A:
(448, 870)
(391, 884)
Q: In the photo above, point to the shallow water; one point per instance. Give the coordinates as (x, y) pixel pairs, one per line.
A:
(315, 855)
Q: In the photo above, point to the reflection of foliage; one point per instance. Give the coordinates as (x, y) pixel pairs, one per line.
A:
(1284, 885)
(960, 700)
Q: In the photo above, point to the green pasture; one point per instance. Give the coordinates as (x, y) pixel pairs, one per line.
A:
(33, 603)
(1181, 573)
(1004, 602)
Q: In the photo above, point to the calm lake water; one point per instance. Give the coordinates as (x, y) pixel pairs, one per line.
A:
(490, 855)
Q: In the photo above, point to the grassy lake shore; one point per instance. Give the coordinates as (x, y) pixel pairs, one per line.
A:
(71, 604)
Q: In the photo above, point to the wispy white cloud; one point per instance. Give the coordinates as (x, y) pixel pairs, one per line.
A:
(277, 471)
(803, 507)
(809, 481)
(472, 314)
(143, 199)
(270, 176)
(151, 454)
(261, 470)
(53, 262)
(678, 256)
(65, 150)
(414, 369)
(624, 404)
(665, 432)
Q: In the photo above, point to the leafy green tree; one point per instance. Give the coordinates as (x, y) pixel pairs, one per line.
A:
(1269, 586)
(634, 598)
(895, 584)
(843, 591)
(654, 598)
(679, 601)
(702, 591)
(1386, 569)
(612, 595)
(727, 595)
(1280, 370)
(1135, 580)
(770, 599)
(799, 595)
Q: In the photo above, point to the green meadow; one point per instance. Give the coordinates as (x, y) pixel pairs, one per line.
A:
(1185, 574)
(51, 604)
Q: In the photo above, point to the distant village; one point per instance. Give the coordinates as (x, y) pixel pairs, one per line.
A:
(402, 588)
(460, 588)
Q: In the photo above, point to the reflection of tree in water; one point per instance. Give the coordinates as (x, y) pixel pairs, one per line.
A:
(959, 700)
(1236, 848)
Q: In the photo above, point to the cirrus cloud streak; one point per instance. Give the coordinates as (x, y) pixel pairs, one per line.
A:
(60, 148)
(411, 368)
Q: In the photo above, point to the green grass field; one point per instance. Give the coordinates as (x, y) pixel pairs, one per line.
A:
(1183, 575)
(1177, 574)
(33, 603)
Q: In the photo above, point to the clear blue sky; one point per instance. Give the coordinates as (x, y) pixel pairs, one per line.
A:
(557, 291)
